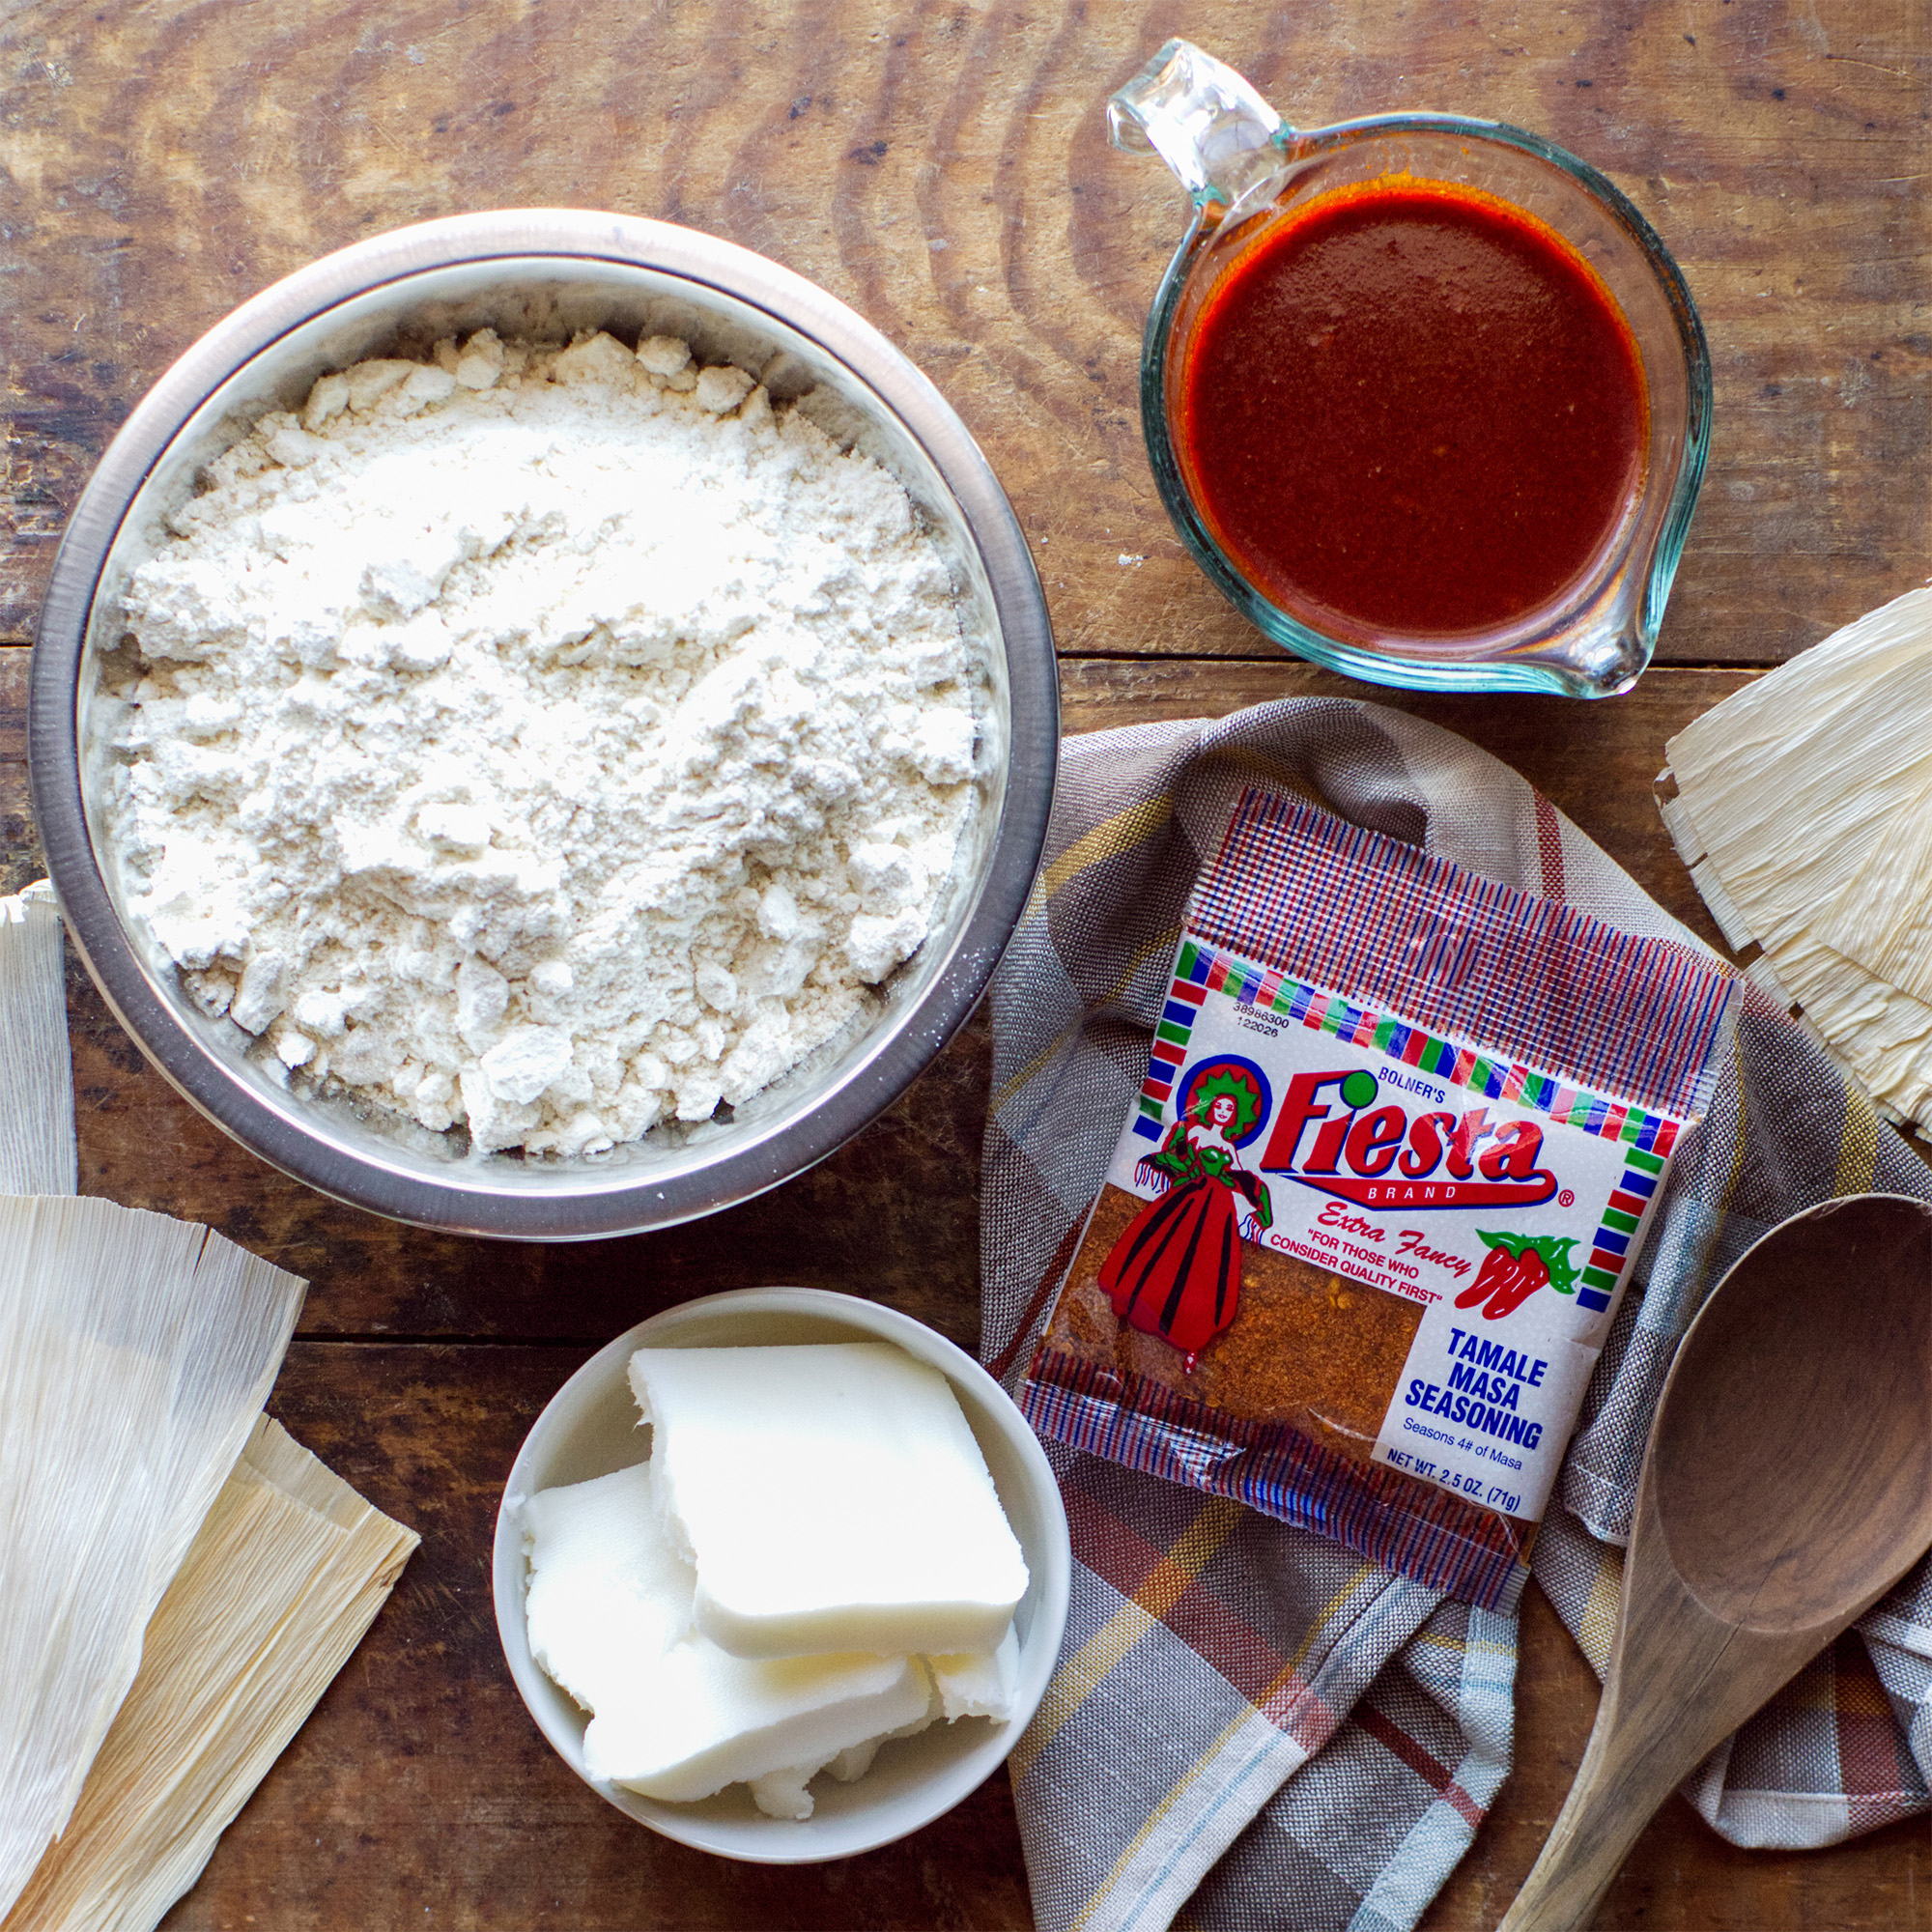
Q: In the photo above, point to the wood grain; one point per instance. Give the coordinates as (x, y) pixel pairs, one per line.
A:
(942, 166)
(420, 1779)
(420, 1793)
(1680, 1876)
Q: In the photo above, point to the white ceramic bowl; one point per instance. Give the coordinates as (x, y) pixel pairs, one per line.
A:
(590, 1428)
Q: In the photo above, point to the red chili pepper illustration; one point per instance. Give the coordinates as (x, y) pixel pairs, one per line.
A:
(1516, 1267)
(1529, 1273)
(1499, 1266)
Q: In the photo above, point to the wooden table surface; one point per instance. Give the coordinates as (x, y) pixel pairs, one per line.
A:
(942, 166)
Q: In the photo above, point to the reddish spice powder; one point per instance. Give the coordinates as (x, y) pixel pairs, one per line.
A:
(1411, 410)
(1312, 1350)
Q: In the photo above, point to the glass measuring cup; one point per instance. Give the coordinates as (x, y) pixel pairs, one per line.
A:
(1248, 173)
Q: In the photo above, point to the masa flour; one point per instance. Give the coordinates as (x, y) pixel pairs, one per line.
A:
(550, 741)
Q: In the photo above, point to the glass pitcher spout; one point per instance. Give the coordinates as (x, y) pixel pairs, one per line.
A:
(1207, 122)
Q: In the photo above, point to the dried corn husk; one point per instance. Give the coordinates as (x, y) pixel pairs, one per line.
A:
(135, 1354)
(37, 1145)
(1803, 809)
(135, 1351)
(287, 1573)
(1883, 918)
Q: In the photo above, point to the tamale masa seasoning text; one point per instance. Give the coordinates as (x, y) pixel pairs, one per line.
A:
(1409, 410)
(1402, 1134)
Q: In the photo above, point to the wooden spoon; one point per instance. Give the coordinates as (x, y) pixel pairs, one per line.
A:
(1787, 1486)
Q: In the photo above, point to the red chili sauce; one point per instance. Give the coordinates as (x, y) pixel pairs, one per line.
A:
(1411, 410)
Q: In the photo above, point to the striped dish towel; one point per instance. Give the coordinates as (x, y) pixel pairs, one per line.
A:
(1249, 1726)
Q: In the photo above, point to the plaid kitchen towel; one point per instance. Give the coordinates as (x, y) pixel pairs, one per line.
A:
(1249, 1726)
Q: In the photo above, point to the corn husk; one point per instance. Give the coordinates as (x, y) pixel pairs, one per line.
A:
(1803, 809)
(277, 1589)
(1882, 921)
(135, 1354)
(37, 1144)
(178, 1579)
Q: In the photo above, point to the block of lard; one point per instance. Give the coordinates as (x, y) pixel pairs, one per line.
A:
(831, 1497)
(675, 1717)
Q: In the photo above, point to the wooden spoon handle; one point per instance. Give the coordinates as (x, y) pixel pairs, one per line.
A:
(1601, 1821)
(1655, 1726)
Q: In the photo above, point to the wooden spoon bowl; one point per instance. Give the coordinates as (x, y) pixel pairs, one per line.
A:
(1787, 1486)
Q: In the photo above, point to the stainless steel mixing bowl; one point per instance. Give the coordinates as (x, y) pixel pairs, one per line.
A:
(544, 272)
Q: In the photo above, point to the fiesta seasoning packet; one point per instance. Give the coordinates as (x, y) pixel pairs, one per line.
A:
(1365, 1232)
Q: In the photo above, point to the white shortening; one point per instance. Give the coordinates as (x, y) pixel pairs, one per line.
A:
(814, 1562)
(832, 1496)
(678, 1718)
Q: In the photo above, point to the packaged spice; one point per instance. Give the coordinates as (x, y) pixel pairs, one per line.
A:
(1365, 1233)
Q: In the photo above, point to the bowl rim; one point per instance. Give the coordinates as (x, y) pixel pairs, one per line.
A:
(1051, 1577)
(462, 1200)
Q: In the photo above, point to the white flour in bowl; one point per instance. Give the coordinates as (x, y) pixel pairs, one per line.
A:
(553, 742)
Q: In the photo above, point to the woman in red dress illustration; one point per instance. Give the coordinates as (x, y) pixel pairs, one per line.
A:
(1175, 1271)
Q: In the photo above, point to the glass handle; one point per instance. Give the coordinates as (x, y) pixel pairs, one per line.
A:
(1205, 121)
